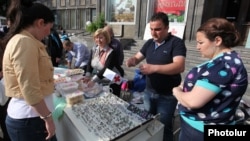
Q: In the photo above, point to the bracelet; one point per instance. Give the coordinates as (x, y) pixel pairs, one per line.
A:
(48, 116)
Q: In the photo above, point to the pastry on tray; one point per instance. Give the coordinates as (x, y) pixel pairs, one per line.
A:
(74, 72)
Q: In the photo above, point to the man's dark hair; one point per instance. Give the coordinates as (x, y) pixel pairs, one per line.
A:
(160, 16)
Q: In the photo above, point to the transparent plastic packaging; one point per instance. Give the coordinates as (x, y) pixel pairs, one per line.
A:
(67, 88)
(93, 91)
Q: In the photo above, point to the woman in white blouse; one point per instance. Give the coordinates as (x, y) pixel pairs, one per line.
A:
(102, 57)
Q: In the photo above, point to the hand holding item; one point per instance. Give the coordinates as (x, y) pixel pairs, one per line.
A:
(177, 90)
(131, 62)
(50, 126)
(141, 66)
(89, 81)
(181, 85)
(91, 84)
(58, 60)
(146, 68)
(86, 79)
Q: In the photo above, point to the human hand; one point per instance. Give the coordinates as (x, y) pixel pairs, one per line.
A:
(58, 60)
(50, 127)
(146, 69)
(177, 90)
(131, 62)
(181, 85)
(91, 84)
(86, 79)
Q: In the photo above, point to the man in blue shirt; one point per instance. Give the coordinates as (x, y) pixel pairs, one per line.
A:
(77, 53)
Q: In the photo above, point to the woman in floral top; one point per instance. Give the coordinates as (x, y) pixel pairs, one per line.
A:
(212, 90)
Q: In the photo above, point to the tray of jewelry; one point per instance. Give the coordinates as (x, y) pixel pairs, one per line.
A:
(109, 118)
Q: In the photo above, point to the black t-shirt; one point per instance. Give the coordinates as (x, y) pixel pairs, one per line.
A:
(161, 83)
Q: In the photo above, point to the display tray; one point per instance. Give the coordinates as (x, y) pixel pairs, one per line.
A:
(108, 117)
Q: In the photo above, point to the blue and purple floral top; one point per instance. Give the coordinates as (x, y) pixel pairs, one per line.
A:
(227, 77)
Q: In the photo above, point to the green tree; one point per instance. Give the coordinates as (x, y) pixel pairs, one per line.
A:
(98, 23)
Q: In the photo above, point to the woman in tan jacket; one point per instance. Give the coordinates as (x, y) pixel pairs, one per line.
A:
(28, 73)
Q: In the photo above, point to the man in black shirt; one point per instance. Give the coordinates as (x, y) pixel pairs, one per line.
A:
(165, 60)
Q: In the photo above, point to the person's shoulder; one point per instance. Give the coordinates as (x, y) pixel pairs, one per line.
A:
(149, 41)
(175, 40)
(115, 39)
(174, 37)
(83, 45)
(80, 45)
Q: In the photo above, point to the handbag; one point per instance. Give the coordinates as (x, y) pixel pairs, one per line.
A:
(3, 97)
(139, 81)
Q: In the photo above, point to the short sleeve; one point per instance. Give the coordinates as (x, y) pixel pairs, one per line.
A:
(215, 75)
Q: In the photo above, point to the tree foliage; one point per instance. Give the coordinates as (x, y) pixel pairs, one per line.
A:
(98, 23)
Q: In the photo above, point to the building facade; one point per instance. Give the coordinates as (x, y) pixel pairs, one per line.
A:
(129, 18)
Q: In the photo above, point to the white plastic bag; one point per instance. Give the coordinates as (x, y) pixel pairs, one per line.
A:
(3, 97)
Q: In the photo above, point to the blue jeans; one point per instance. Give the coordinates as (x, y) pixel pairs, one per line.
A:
(28, 129)
(188, 133)
(165, 105)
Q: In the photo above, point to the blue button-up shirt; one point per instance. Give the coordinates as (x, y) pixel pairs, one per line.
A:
(81, 54)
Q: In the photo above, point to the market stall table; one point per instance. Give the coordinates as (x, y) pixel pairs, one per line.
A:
(70, 127)
(97, 115)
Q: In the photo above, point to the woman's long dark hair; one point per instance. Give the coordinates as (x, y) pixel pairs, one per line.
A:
(22, 14)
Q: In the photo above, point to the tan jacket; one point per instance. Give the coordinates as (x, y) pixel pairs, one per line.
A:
(27, 69)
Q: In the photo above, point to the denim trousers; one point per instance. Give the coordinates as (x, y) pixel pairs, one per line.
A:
(28, 129)
(188, 133)
(165, 105)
